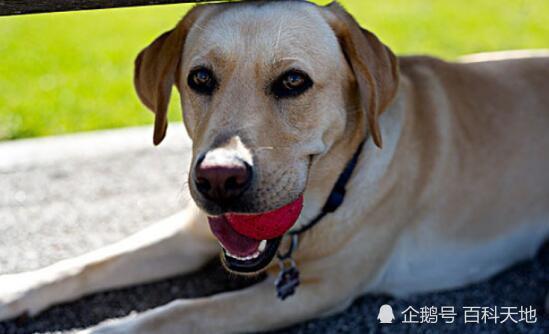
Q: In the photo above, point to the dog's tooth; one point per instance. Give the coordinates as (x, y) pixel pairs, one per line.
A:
(262, 245)
(233, 256)
(246, 258)
(240, 258)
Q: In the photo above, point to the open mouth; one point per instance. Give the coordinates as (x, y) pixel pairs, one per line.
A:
(250, 241)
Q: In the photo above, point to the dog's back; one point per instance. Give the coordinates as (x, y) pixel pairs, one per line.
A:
(486, 120)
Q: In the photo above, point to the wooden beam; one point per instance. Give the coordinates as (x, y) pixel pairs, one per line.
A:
(18, 7)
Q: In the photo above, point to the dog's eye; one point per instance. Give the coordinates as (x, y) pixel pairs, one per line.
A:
(291, 84)
(202, 81)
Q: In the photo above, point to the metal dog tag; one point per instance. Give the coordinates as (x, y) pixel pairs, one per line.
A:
(288, 277)
(287, 280)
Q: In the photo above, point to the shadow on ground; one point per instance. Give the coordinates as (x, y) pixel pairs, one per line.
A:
(523, 285)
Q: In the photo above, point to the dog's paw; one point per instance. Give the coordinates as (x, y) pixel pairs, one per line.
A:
(20, 294)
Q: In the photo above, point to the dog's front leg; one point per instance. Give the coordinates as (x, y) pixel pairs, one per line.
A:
(255, 308)
(180, 243)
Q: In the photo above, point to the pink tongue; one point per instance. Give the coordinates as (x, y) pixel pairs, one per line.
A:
(234, 242)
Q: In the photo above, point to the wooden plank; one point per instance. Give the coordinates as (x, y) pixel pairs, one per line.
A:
(18, 7)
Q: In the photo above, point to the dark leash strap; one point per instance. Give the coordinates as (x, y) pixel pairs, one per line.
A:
(288, 277)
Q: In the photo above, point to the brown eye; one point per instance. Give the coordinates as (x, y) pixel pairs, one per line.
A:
(293, 81)
(291, 84)
(202, 81)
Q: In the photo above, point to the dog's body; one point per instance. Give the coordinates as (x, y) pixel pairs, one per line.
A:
(471, 132)
(459, 191)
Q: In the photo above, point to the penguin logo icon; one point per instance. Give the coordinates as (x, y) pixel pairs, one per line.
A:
(386, 315)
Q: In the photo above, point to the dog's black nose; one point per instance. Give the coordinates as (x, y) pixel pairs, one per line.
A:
(222, 182)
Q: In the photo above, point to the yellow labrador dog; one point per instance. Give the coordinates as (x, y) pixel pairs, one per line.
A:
(448, 166)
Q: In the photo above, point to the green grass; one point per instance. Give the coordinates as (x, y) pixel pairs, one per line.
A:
(71, 72)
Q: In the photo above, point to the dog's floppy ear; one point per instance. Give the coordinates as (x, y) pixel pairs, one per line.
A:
(374, 65)
(156, 71)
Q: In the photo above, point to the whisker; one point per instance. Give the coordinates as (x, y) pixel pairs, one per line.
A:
(278, 35)
(263, 148)
(288, 58)
(270, 148)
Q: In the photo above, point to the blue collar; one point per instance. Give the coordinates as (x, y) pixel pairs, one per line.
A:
(337, 195)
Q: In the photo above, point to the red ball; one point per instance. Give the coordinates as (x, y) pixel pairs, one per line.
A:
(268, 225)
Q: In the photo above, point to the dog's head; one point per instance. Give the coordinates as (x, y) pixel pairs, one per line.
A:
(271, 92)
